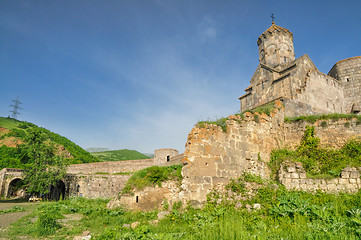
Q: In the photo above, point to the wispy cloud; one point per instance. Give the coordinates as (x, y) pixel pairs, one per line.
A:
(207, 29)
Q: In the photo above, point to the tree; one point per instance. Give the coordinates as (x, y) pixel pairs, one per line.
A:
(43, 168)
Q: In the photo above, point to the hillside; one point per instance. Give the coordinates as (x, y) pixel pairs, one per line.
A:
(13, 133)
(119, 155)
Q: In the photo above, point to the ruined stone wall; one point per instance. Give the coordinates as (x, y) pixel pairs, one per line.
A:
(95, 186)
(293, 176)
(348, 71)
(149, 198)
(333, 134)
(110, 167)
(213, 157)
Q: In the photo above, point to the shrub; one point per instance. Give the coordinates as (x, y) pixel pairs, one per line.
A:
(152, 176)
(47, 222)
(237, 186)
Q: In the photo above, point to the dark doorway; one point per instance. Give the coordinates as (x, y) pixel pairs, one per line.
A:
(16, 188)
(57, 192)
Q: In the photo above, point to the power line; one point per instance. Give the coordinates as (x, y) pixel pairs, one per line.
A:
(15, 108)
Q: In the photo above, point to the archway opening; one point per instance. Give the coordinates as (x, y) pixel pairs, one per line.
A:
(16, 188)
(57, 192)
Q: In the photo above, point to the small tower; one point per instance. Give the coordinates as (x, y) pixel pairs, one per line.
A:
(275, 46)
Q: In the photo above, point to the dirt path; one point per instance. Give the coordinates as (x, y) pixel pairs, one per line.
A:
(8, 218)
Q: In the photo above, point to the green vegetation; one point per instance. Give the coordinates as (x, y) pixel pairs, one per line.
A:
(119, 155)
(283, 215)
(266, 108)
(152, 176)
(314, 118)
(318, 162)
(13, 209)
(222, 122)
(42, 167)
(219, 122)
(12, 157)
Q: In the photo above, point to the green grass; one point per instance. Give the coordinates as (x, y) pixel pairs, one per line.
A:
(219, 122)
(283, 215)
(314, 118)
(119, 155)
(9, 123)
(266, 108)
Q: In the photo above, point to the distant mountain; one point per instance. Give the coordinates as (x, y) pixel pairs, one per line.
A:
(97, 149)
(119, 155)
(13, 133)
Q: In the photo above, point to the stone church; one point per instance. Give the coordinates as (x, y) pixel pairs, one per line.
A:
(297, 82)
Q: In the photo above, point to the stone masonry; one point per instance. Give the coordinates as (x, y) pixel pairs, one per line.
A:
(213, 157)
(293, 177)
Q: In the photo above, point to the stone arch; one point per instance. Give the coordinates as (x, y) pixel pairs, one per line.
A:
(15, 188)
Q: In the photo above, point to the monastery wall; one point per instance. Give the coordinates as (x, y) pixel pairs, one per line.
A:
(318, 94)
(213, 157)
(348, 71)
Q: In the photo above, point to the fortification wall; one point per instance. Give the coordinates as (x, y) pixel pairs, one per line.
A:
(110, 167)
(95, 186)
(293, 177)
(348, 71)
(213, 156)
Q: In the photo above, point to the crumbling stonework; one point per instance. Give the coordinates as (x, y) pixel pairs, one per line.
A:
(149, 198)
(293, 177)
(213, 157)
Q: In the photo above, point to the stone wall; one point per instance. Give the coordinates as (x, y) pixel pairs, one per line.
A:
(95, 186)
(213, 156)
(293, 176)
(174, 160)
(110, 167)
(149, 198)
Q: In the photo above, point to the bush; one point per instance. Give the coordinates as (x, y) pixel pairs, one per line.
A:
(152, 176)
(47, 222)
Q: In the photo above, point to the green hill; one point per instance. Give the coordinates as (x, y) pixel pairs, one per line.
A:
(13, 133)
(119, 155)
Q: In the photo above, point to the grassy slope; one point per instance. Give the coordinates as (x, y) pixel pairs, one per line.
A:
(9, 123)
(119, 155)
(19, 130)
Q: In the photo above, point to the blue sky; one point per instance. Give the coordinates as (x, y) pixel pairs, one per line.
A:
(139, 74)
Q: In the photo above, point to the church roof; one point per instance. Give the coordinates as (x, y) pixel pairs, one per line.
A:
(274, 28)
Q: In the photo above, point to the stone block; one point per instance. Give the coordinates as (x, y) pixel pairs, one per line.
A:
(331, 187)
(354, 174)
(291, 169)
(332, 181)
(309, 181)
(303, 175)
(295, 175)
(353, 180)
(344, 181)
